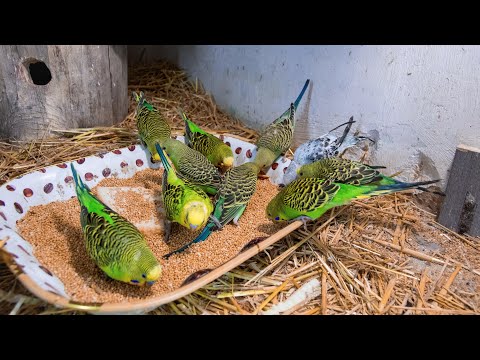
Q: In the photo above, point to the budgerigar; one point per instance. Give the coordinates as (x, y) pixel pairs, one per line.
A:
(152, 126)
(231, 200)
(325, 146)
(183, 202)
(115, 244)
(216, 151)
(193, 166)
(277, 136)
(309, 198)
(349, 172)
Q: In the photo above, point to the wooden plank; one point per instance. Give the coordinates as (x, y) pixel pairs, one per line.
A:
(460, 210)
(88, 88)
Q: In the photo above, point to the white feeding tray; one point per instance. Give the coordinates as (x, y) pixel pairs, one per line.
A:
(55, 183)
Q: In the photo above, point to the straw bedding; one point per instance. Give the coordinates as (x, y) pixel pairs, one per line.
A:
(380, 256)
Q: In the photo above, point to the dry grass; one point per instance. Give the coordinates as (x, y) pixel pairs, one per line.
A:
(382, 256)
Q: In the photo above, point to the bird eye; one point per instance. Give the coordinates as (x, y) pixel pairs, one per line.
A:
(301, 174)
(134, 281)
(277, 218)
(144, 276)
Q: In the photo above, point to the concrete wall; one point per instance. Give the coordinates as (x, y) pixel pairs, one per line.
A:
(422, 100)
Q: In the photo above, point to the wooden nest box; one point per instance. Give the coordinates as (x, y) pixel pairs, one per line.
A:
(460, 210)
(48, 87)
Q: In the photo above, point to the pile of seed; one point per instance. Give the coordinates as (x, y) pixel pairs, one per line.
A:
(54, 231)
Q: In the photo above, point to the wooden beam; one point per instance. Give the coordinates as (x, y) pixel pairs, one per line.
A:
(460, 210)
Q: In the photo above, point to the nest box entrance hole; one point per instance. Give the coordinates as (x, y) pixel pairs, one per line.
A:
(38, 71)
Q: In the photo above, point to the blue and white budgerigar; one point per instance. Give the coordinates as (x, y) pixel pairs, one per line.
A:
(325, 146)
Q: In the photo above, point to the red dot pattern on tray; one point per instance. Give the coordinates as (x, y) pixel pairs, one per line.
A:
(10, 188)
(18, 207)
(3, 216)
(249, 153)
(238, 150)
(48, 188)
(106, 172)
(274, 166)
(48, 272)
(117, 151)
(131, 147)
(139, 163)
(63, 166)
(51, 287)
(23, 249)
(42, 170)
(81, 161)
(227, 143)
(89, 176)
(2, 203)
(27, 192)
(68, 179)
(123, 164)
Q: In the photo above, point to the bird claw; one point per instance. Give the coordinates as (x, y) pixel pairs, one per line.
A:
(304, 219)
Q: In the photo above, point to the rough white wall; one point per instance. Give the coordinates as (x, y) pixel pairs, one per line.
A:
(422, 100)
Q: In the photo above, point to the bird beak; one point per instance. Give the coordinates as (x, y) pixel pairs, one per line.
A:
(228, 162)
(150, 283)
(193, 227)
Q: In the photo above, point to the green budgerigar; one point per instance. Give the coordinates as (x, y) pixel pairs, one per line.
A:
(184, 203)
(308, 198)
(151, 124)
(115, 244)
(231, 200)
(349, 172)
(344, 171)
(193, 166)
(216, 151)
(277, 137)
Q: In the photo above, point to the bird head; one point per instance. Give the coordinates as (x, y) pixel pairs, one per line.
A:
(153, 274)
(227, 162)
(143, 268)
(196, 214)
(274, 212)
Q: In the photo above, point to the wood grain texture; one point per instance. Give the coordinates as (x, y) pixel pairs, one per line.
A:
(88, 88)
(460, 210)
